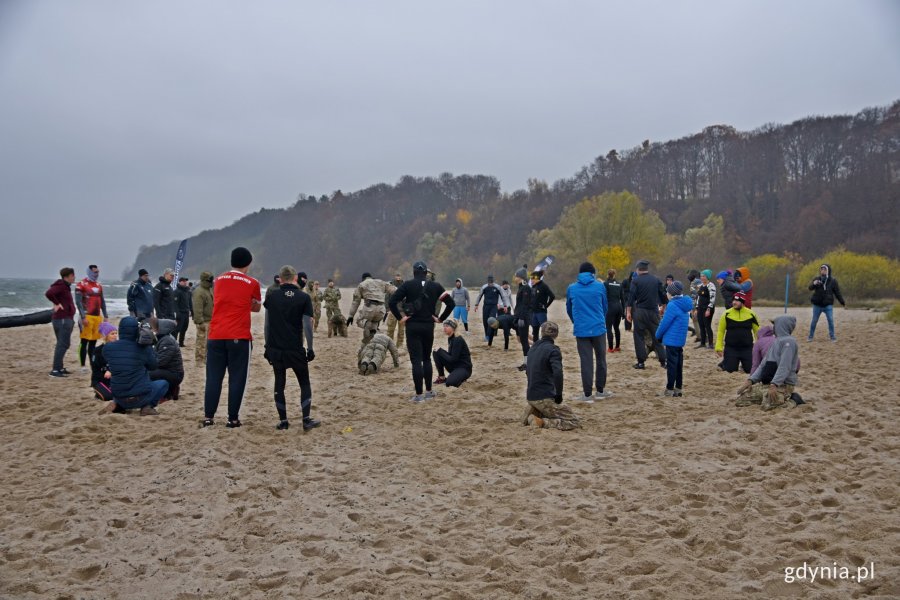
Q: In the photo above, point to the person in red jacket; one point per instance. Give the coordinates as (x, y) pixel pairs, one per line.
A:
(60, 294)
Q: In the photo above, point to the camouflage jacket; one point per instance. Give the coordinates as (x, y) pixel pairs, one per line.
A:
(331, 297)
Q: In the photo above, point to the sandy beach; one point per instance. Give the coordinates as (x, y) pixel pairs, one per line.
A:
(653, 498)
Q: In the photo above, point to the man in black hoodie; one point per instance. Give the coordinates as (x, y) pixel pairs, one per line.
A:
(824, 289)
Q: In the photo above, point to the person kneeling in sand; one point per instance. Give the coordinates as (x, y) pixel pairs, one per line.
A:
(456, 359)
(170, 365)
(545, 384)
(129, 364)
(372, 355)
(771, 385)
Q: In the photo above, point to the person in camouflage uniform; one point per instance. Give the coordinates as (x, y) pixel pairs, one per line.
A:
(545, 384)
(372, 355)
(392, 322)
(202, 298)
(369, 300)
(312, 288)
(337, 326)
(771, 385)
(331, 298)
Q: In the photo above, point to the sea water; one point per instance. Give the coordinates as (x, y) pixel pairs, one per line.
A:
(24, 296)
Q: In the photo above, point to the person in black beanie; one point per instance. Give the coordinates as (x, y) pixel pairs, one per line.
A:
(229, 342)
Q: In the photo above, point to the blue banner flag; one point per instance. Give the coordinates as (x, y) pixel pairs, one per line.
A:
(179, 261)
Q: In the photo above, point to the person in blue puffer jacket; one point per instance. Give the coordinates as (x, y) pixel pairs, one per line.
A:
(672, 331)
(586, 305)
(130, 363)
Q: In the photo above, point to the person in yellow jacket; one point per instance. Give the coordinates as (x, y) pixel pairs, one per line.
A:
(737, 334)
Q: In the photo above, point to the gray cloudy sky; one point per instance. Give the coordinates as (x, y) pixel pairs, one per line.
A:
(126, 122)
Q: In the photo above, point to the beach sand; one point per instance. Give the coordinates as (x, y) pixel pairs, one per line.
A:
(653, 498)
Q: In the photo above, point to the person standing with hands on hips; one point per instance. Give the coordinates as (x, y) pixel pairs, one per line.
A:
(413, 304)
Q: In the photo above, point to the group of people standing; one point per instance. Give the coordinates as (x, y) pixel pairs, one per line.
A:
(140, 363)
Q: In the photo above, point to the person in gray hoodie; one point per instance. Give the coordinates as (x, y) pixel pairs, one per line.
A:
(771, 385)
(460, 297)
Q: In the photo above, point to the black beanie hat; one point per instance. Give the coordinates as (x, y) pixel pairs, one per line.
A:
(587, 267)
(241, 257)
(142, 272)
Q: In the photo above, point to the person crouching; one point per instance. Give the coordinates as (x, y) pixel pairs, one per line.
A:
(456, 359)
(129, 364)
(545, 384)
(771, 385)
(168, 355)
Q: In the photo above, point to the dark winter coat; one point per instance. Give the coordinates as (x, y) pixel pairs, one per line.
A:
(168, 354)
(164, 299)
(825, 289)
(129, 362)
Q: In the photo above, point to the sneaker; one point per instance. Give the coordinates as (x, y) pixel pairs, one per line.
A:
(809, 339)
(417, 399)
(84, 369)
(108, 407)
(65, 371)
(833, 339)
(56, 373)
(233, 424)
(678, 393)
(207, 423)
(521, 367)
(610, 351)
(638, 365)
(148, 411)
(711, 347)
(602, 395)
(583, 399)
(440, 380)
(310, 423)
(430, 395)
(617, 349)
(283, 425)
(667, 393)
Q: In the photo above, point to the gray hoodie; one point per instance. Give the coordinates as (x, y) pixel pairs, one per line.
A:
(785, 352)
(460, 295)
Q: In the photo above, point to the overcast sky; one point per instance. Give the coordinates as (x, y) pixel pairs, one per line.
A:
(127, 122)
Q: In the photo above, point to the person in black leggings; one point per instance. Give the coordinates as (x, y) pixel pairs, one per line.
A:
(414, 304)
(615, 295)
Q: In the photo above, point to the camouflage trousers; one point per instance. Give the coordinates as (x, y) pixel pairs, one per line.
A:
(317, 315)
(759, 393)
(393, 323)
(370, 359)
(337, 325)
(200, 343)
(554, 416)
(330, 311)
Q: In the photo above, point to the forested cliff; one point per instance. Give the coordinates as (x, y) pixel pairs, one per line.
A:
(798, 189)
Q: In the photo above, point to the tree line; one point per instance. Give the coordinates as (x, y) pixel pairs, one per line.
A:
(793, 191)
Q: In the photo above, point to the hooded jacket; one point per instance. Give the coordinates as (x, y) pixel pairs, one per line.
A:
(460, 295)
(673, 328)
(765, 337)
(586, 305)
(129, 362)
(168, 354)
(825, 289)
(164, 299)
(784, 352)
(60, 292)
(182, 300)
(203, 299)
(545, 371)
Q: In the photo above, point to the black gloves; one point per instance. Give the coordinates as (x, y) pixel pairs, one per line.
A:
(349, 321)
(310, 355)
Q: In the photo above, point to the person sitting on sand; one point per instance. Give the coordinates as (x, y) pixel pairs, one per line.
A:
(100, 375)
(168, 355)
(545, 384)
(456, 359)
(371, 355)
(771, 385)
(129, 364)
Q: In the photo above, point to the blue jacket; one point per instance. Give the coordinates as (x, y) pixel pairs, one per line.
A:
(673, 328)
(129, 362)
(140, 298)
(586, 305)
